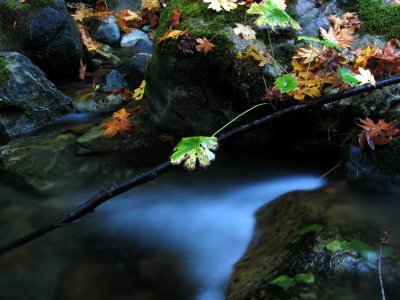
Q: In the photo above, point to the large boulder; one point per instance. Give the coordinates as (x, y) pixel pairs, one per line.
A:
(28, 100)
(45, 32)
(331, 236)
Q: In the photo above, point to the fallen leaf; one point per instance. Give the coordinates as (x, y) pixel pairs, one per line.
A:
(204, 45)
(171, 34)
(307, 55)
(176, 16)
(251, 51)
(151, 5)
(82, 70)
(86, 39)
(365, 77)
(246, 31)
(218, 5)
(139, 92)
(376, 134)
(118, 124)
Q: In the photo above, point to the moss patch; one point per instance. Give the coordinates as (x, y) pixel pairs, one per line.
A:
(380, 18)
(4, 72)
(18, 6)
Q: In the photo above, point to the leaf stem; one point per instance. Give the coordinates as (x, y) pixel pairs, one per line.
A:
(272, 52)
(237, 117)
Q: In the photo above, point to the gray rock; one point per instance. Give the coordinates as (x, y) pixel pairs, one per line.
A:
(130, 39)
(114, 81)
(106, 31)
(346, 214)
(138, 66)
(28, 100)
(46, 34)
(143, 46)
(313, 15)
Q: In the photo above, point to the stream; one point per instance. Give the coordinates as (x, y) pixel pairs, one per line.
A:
(175, 238)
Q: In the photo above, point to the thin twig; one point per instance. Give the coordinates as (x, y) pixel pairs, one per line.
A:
(114, 190)
(384, 241)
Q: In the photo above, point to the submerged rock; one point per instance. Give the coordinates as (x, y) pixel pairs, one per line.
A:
(28, 100)
(45, 32)
(102, 56)
(321, 244)
(114, 81)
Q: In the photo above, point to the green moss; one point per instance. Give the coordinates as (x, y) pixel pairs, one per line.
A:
(200, 22)
(379, 18)
(4, 72)
(18, 6)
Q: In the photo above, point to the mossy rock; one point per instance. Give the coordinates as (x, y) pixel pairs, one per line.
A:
(4, 71)
(380, 18)
(332, 233)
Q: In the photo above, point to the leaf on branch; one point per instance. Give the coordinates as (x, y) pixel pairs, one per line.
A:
(204, 45)
(270, 14)
(348, 77)
(218, 5)
(139, 92)
(246, 31)
(365, 77)
(191, 150)
(376, 134)
(286, 83)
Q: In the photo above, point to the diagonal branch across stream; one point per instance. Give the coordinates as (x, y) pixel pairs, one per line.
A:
(116, 189)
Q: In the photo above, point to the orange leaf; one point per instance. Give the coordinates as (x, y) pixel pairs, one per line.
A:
(82, 70)
(120, 123)
(376, 134)
(86, 39)
(176, 16)
(171, 34)
(204, 45)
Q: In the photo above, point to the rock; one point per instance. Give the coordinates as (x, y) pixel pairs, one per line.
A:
(138, 66)
(375, 167)
(293, 235)
(313, 15)
(143, 46)
(105, 31)
(142, 143)
(28, 100)
(114, 81)
(50, 162)
(130, 39)
(103, 57)
(46, 33)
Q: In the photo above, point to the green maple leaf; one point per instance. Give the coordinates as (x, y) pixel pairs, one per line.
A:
(348, 77)
(193, 149)
(272, 15)
(286, 83)
(324, 41)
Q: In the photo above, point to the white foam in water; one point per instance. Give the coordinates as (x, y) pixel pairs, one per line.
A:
(211, 228)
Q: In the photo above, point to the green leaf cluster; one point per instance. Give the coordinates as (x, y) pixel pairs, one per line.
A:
(323, 41)
(348, 77)
(272, 15)
(286, 83)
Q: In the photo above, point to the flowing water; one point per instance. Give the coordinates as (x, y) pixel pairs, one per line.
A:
(175, 238)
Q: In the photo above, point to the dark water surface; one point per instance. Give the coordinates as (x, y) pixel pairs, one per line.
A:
(175, 238)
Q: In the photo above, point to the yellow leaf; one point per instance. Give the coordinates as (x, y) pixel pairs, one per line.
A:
(171, 34)
(139, 92)
(218, 5)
